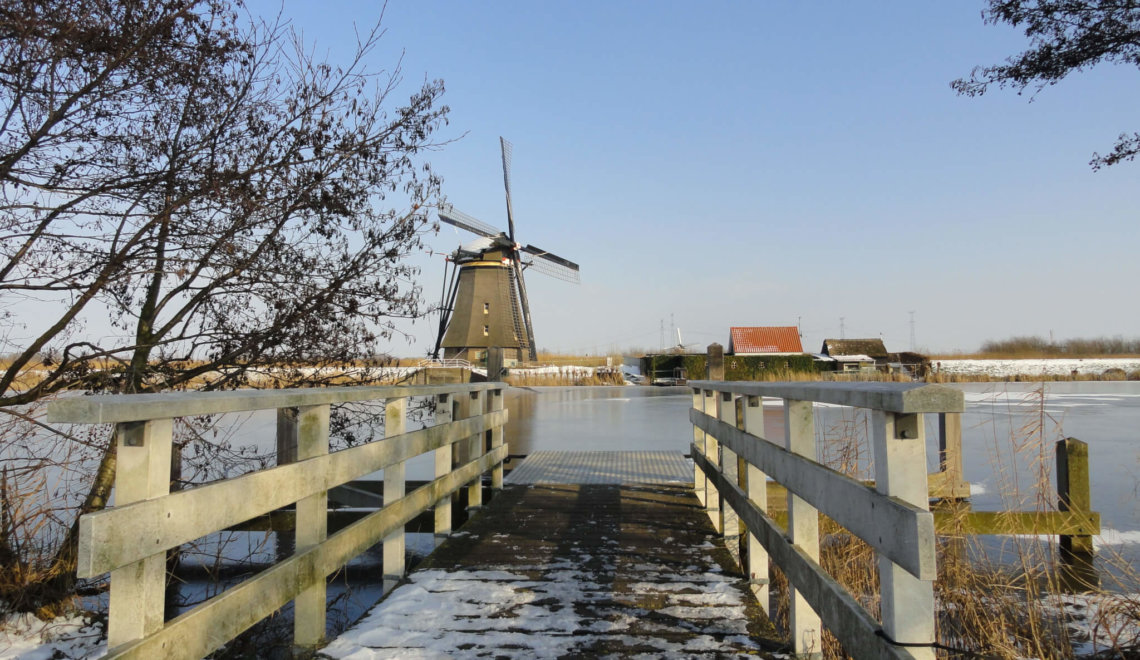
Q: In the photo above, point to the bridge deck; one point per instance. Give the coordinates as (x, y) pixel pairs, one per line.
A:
(548, 570)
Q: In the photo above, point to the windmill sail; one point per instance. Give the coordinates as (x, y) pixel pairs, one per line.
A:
(457, 218)
(552, 265)
(508, 148)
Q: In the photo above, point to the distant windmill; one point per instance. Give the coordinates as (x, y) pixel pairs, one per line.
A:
(484, 300)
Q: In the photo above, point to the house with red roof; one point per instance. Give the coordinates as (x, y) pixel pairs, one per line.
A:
(765, 340)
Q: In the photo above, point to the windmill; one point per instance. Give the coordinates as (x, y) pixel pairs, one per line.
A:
(484, 301)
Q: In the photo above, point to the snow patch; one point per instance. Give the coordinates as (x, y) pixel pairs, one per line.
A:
(1034, 367)
(26, 637)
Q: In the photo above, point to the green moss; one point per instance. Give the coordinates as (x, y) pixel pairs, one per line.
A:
(736, 367)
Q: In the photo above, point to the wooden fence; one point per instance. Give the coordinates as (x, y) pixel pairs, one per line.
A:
(892, 516)
(131, 540)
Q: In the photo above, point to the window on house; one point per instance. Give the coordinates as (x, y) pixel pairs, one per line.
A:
(486, 308)
(486, 330)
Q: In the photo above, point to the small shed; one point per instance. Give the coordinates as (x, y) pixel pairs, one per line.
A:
(765, 340)
(856, 354)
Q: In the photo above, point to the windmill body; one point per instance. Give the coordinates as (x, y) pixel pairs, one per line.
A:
(486, 310)
(484, 301)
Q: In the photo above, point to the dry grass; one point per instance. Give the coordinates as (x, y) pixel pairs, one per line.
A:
(525, 379)
(1110, 375)
(558, 359)
(278, 377)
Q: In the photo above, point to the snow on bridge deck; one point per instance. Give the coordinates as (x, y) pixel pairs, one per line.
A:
(624, 563)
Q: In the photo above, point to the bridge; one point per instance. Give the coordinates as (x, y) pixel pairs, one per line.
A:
(574, 554)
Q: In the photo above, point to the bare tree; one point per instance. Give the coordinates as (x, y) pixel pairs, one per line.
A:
(229, 202)
(1065, 36)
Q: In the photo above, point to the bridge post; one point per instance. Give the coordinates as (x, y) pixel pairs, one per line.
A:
(312, 440)
(1077, 571)
(752, 422)
(949, 482)
(900, 471)
(729, 520)
(699, 444)
(138, 590)
(495, 364)
(443, 460)
(497, 440)
(395, 423)
(714, 362)
(803, 528)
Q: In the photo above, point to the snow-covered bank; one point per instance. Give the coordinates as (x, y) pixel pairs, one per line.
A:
(25, 637)
(1035, 367)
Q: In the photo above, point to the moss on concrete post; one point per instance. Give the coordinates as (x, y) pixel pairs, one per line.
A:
(1073, 494)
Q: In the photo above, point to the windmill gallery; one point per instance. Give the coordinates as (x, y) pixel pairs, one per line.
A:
(484, 301)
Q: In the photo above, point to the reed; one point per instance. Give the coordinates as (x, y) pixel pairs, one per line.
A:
(564, 377)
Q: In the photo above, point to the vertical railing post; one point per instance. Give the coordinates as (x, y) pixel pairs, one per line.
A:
(699, 445)
(476, 447)
(900, 471)
(395, 423)
(712, 453)
(803, 527)
(752, 422)
(497, 440)
(730, 521)
(1073, 494)
(312, 440)
(142, 471)
(442, 468)
(950, 445)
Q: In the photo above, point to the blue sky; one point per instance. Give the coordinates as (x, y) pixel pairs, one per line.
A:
(762, 163)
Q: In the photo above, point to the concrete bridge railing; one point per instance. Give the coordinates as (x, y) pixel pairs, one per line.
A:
(892, 516)
(131, 540)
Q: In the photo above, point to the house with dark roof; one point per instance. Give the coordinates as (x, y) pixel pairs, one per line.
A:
(766, 340)
(858, 354)
(855, 354)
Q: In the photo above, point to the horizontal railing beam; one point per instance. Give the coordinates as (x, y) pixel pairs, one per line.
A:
(203, 629)
(889, 397)
(116, 537)
(135, 407)
(898, 530)
(852, 625)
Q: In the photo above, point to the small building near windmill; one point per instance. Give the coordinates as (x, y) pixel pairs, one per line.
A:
(765, 340)
(754, 353)
(855, 354)
(870, 354)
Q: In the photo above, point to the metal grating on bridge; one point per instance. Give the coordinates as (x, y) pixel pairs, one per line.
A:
(603, 467)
